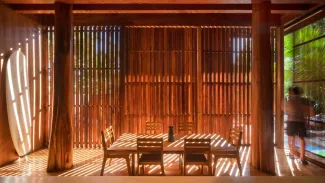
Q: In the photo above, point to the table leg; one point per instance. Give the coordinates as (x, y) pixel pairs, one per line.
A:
(133, 164)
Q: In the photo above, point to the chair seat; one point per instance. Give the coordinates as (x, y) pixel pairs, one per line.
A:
(117, 155)
(150, 158)
(228, 148)
(196, 158)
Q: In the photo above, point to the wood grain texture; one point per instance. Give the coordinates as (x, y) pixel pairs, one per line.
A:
(61, 140)
(16, 32)
(262, 90)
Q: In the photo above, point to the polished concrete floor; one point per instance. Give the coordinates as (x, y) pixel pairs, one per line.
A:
(87, 162)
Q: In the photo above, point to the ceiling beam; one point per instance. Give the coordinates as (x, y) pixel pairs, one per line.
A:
(158, 19)
(159, 8)
(298, 22)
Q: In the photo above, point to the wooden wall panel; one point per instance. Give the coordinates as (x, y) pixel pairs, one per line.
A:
(18, 32)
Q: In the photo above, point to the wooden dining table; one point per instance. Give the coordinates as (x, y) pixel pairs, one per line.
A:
(127, 143)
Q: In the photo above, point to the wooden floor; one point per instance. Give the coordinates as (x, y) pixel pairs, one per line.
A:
(87, 162)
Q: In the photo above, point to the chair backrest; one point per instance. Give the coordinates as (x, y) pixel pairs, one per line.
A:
(197, 146)
(150, 146)
(154, 127)
(107, 137)
(235, 136)
(186, 127)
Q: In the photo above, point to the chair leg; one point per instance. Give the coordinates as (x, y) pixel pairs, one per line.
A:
(143, 169)
(238, 164)
(162, 169)
(128, 165)
(201, 169)
(138, 169)
(110, 161)
(214, 165)
(180, 164)
(184, 169)
(103, 166)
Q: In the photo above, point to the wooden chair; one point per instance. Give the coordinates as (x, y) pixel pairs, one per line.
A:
(154, 127)
(150, 152)
(197, 152)
(108, 139)
(186, 127)
(235, 136)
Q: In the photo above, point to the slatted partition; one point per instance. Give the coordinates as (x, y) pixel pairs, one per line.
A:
(226, 63)
(158, 82)
(96, 78)
(160, 77)
(96, 81)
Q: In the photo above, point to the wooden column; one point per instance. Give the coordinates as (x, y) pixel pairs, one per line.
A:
(61, 140)
(280, 88)
(262, 146)
(199, 82)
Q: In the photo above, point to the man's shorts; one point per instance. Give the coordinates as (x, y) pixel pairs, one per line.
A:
(296, 129)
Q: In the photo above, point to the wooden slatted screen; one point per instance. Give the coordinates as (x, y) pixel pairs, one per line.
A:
(159, 77)
(96, 81)
(226, 63)
(226, 80)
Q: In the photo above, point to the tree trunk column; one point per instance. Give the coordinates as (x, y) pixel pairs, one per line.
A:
(262, 147)
(61, 140)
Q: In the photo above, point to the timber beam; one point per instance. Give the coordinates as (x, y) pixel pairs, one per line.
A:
(158, 19)
(161, 8)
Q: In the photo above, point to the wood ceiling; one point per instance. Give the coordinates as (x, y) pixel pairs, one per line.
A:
(283, 10)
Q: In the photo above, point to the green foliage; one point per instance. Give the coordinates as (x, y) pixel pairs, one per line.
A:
(288, 62)
(305, 62)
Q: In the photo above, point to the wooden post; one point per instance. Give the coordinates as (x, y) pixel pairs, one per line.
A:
(199, 81)
(280, 88)
(262, 89)
(61, 141)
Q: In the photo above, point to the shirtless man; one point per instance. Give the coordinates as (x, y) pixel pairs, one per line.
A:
(297, 109)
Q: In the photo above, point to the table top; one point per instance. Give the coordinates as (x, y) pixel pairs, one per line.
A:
(127, 142)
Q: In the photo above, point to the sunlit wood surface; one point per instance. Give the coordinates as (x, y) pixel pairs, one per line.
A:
(87, 162)
(160, 179)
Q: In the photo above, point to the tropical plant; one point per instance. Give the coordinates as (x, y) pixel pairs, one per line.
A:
(305, 62)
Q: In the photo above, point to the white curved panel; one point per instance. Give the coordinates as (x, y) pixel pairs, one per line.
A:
(18, 106)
